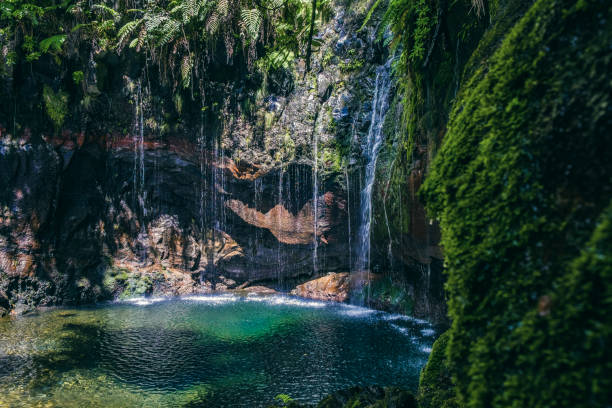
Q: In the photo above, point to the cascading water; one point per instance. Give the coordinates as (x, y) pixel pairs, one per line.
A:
(279, 261)
(315, 200)
(370, 148)
(140, 193)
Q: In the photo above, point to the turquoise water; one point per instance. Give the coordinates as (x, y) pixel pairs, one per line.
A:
(213, 351)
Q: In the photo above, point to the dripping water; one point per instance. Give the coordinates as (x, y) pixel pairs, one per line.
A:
(279, 263)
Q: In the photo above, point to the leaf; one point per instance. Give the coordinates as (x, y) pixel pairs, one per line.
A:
(127, 30)
(251, 22)
(54, 43)
(113, 13)
(186, 66)
(223, 7)
(212, 24)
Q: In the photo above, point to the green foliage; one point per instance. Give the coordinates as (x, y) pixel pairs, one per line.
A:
(520, 181)
(369, 397)
(251, 21)
(53, 43)
(78, 77)
(422, 31)
(283, 399)
(435, 386)
(428, 35)
(385, 294)
(56, 105)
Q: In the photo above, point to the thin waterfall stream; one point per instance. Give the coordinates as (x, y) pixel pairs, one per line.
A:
(371, 147)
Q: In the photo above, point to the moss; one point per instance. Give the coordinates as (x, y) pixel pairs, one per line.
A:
(370, 397)
(350, 65)
(519, 182)
(435, 385)
(384, 294)
(123, 283)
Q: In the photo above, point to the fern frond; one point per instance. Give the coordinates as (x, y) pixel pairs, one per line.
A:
(186, 66)
(222, 7)
(126, 31)
(104, 8)
(251, 22)
(169, 32)
(212, 24)
(54, 43)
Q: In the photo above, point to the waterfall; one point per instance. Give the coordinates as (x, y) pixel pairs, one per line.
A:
(279, 263)
(139, 166)
(315, 199)
(139, 192)
(370, 148)
(348, 209)
(202, 189)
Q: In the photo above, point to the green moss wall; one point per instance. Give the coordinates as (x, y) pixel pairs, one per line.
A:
(521, 187)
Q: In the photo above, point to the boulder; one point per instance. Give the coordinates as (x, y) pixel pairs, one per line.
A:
(333, 286)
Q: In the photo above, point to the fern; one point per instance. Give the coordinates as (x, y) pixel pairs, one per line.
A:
(186, 66)
(222, 7)
(53, 43)
(251, 22)
(369, 15)
(168, 32)
(104, 8)
(212, 24)
(127, 30)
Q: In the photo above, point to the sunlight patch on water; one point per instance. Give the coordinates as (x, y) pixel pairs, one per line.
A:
(213, 299)
(144, 301)
(357, 311)
(397, 316)
(400, 329)
(285, 300)
(428, 332)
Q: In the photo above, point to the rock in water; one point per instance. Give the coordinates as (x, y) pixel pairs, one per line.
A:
(333, 286)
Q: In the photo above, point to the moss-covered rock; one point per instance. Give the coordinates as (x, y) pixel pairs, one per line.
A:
(358, 397)
(435, 386)
(383, 293)
(370, 397)
(520, 181)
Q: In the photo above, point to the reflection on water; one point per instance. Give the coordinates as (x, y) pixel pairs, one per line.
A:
(213, 351)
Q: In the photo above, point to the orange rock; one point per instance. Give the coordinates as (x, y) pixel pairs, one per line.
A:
(286, 227)
(333, 286)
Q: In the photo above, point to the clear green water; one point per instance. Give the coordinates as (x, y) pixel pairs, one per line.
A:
(212, 351)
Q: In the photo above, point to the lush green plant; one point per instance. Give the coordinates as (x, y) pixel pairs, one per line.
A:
(435, 386)
(56, 105)
(283, 398)
(78, 77)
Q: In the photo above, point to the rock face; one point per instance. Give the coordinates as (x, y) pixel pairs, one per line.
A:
(216, 197)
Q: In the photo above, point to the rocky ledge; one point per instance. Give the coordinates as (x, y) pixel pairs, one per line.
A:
(369, 289)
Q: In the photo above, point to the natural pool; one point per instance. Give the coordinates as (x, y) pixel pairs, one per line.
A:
(213, 351)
